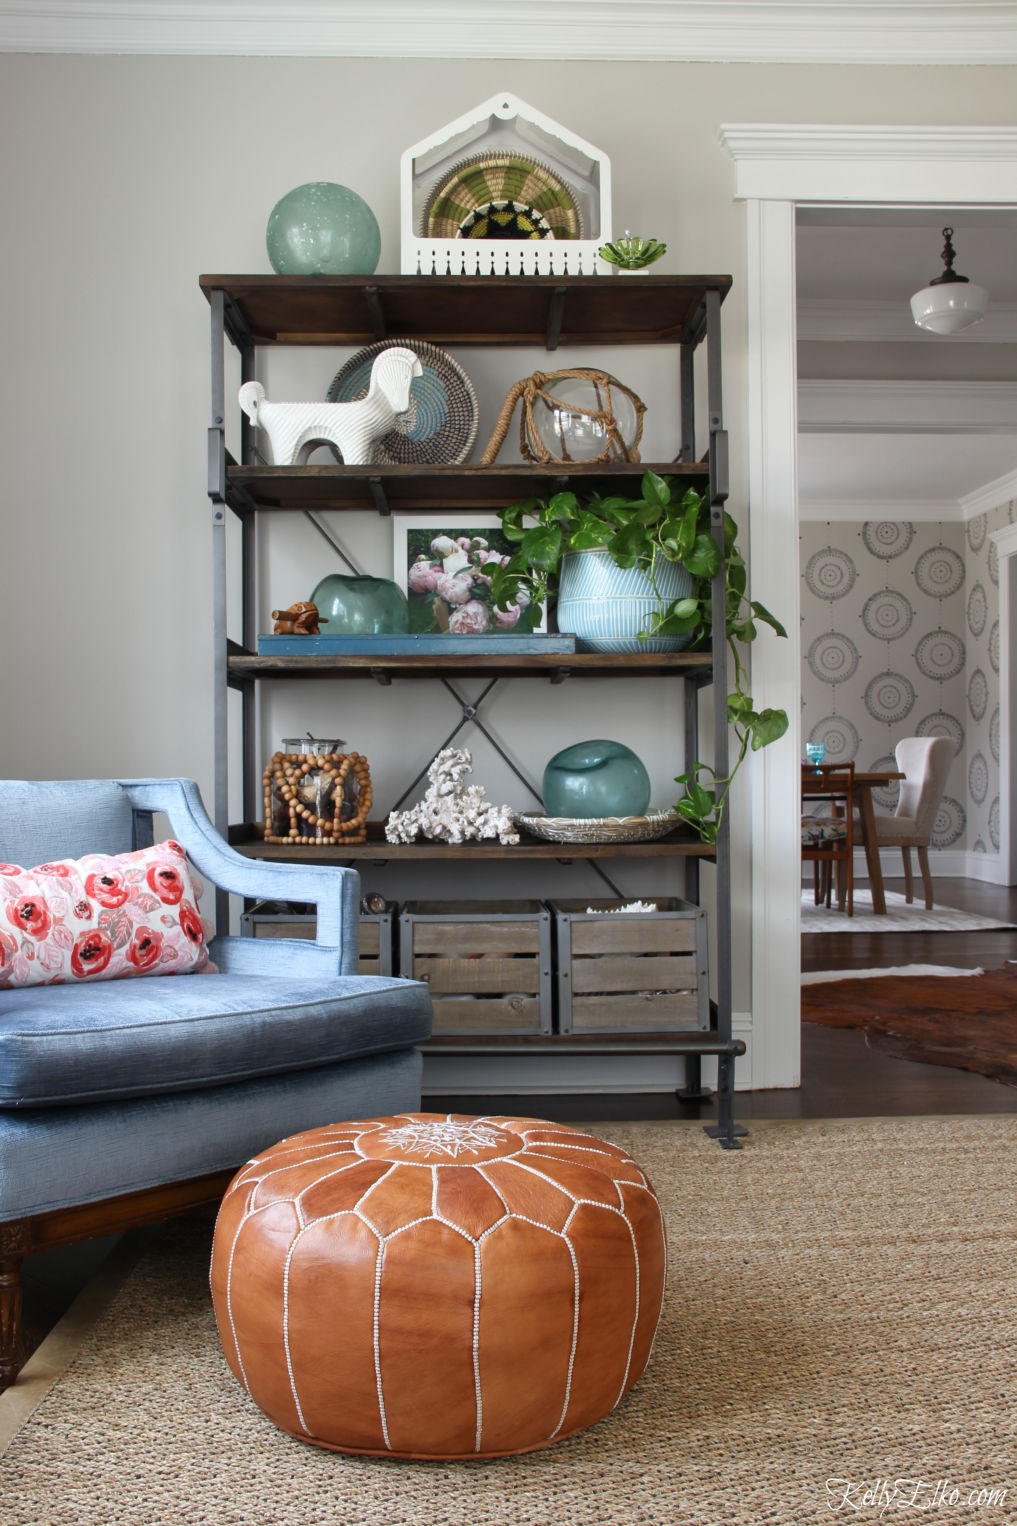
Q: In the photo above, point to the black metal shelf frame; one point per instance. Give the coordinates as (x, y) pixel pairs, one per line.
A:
(230, 490)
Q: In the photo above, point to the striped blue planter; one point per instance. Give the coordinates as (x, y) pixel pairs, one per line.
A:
(605, 606)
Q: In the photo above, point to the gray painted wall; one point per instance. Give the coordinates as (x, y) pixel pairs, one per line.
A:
(123, 178)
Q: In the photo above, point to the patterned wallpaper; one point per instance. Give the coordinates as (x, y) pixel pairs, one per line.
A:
(900, 637)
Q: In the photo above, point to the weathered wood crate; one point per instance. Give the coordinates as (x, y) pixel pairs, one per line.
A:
(488, 963)
(631, 971)
(268, 920)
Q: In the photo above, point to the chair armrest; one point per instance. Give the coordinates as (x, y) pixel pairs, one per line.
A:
(278, 956)
(334, 891)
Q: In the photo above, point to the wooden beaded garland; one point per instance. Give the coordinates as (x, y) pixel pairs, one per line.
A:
(340, 780)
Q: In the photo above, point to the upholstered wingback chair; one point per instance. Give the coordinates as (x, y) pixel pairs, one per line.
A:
(125, 1100)
(925, 764)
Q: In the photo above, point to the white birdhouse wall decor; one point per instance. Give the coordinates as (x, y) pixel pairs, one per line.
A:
(504, 190)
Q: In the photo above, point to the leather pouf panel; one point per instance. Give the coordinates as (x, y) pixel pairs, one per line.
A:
(438, 1286)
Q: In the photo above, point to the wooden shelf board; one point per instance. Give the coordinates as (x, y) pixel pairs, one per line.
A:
(519, 665)
(246, 838)
(465, 310)
(679, 1041)
(427, 489)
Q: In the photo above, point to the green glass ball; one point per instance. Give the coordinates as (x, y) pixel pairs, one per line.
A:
(596, 778)
(356, 604)
(323, 229)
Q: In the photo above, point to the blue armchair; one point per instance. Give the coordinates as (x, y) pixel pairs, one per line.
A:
(126, 1101)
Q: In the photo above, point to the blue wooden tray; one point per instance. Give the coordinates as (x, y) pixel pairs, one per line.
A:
(401, 646)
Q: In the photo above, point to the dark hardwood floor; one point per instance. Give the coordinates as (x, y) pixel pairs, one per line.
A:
(841, 1076)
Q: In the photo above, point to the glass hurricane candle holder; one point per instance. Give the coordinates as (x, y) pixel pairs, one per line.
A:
(315, 793)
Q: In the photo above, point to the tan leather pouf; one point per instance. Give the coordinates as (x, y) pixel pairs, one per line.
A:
(433, 1285)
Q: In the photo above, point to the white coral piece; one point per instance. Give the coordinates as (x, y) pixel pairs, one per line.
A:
(452, 811)
(614, 911)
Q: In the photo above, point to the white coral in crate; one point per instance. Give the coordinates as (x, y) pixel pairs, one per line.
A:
(451, 810)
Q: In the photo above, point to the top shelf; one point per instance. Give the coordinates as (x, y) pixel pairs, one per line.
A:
(465, 310)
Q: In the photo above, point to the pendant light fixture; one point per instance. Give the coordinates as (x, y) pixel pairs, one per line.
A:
(950, 302)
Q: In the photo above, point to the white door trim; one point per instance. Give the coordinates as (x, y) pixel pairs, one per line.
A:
(773, 565)
(779, 168)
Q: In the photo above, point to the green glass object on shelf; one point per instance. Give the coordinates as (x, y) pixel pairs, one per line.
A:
(596, 778)
(323, 229)
(355, 604)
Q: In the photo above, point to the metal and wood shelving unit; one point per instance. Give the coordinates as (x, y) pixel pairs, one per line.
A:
(680, 311)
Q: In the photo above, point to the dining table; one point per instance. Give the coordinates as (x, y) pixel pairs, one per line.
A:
(864, 783)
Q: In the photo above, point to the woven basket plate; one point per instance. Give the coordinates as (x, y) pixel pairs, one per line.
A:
(598, 828)
(501, 196)
(443, 426)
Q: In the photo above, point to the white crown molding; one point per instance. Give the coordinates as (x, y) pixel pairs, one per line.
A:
(983, 499)
(820, 164)
(919, 510)
(733, 31)
(858, 511)
(823, 321)
(906, 407)
(768, 141)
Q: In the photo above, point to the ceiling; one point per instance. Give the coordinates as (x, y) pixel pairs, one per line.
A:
(945, 428)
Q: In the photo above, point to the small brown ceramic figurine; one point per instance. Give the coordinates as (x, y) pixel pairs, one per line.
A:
(301, 619)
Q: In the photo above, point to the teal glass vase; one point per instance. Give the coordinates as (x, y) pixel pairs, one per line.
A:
(355, 604)
(323, 229)
(596, 778)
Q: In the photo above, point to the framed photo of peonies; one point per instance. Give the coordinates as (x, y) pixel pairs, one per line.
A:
(438, 563)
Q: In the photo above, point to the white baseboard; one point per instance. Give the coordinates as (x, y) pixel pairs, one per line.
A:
(945, 864)
(985, 866)
(557, 1074)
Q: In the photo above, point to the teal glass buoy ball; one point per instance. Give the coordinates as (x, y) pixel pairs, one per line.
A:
(596, 778)
(323, 229)
(355, 604)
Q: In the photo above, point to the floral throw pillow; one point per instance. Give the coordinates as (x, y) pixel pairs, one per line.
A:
(101, 917)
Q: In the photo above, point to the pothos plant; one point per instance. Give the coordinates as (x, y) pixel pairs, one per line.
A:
(645, 532)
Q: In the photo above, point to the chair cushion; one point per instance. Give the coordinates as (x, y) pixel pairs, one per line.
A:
(101, 917)
(818, 830)
(899, 829)
(91, 1043)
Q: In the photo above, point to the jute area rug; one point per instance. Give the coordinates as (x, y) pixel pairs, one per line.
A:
(967, 1020)
(840, 1317)
(898, 918)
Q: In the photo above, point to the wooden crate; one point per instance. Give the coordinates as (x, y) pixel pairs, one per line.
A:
(631, 972)
(488, 963)
(376, 932)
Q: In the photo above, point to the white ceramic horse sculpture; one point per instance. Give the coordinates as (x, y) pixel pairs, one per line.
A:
(295, 429)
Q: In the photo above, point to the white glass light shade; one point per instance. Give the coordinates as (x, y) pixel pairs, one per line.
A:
(950, 306)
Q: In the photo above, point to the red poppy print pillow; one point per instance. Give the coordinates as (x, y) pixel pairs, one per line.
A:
(101, 917)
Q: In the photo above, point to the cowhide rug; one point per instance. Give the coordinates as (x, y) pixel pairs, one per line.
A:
(970, 1023)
